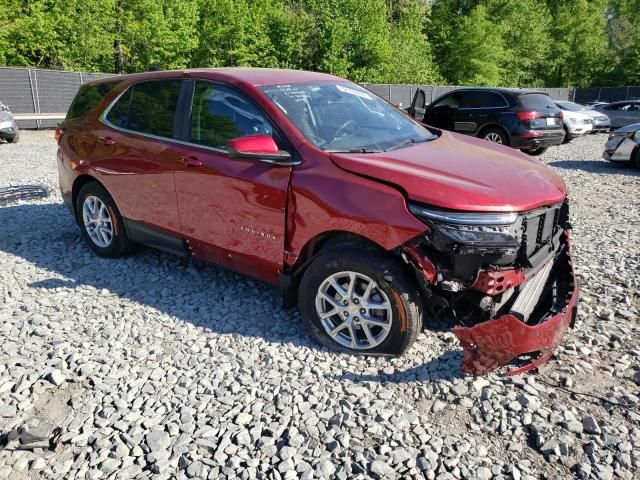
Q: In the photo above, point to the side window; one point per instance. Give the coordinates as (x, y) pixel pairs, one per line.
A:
(220, 113)
(89, 96)
(484, 100)
(453, 100)
(119, 113)
(153, 106)
(619, 106)
(496, 100)
(475, 100)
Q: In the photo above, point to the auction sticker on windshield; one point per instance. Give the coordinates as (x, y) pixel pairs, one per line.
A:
(353, 92)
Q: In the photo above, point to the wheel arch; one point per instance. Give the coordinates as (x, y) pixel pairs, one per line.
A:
(488, 126)
(80, 182)
(290, 280)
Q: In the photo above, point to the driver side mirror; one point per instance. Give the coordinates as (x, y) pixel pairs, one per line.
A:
(259, 147)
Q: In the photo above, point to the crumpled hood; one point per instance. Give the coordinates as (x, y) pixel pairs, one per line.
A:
(462, 173)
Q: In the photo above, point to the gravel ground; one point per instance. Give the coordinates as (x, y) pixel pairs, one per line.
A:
(150, 367)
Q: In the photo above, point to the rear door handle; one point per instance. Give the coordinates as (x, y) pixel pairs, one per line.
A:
(106, 140)
(191, 162)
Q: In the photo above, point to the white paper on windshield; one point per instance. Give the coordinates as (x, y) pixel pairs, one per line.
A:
(351, 91)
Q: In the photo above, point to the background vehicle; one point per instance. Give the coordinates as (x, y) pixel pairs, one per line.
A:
(8, 127)
(362, 215)
(575, 123)
(525, 120)
(622, 113)
(624, 145)
(600, 121)
(592, 105)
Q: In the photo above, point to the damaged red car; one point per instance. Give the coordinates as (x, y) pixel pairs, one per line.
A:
(370, 222)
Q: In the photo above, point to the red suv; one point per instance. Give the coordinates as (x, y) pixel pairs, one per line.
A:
(369, 221)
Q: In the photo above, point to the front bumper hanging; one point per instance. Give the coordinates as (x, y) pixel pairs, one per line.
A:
(496, 342)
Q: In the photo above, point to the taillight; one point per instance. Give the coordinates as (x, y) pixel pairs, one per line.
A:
(58, 134)
(524, 116)
(561, 115)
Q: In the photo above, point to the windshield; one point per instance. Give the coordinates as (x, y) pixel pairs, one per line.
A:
(343, 117)
(573, 107)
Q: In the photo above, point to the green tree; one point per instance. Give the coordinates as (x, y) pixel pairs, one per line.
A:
(476, 51)
(525, 31)
(577, 53)
(411, 52)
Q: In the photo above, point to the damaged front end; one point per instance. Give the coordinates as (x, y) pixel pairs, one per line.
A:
(507, 279)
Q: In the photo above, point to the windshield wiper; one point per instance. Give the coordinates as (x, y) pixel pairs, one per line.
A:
(355, 150)
(408, 142)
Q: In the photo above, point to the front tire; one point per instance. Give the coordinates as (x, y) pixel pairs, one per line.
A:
(100, 221)
(360, 302)
(15, 138)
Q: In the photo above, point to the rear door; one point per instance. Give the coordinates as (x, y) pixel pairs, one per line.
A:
(136, 154)
(479, 108)
(232, 210)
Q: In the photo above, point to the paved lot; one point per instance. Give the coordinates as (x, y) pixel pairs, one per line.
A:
(150, 367)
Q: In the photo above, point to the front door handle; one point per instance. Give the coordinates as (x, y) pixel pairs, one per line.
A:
(190, 162)
(106, 140)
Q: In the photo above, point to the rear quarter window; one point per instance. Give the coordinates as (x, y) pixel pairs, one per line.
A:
(536, 101)
(89, 96)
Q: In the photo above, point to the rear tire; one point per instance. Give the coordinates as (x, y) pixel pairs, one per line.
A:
(100, 221)
(566, 138)
(536, 151)
(495, 135)
(356, 325)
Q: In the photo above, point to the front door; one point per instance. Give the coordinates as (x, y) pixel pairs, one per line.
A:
(442, 112)
(232, 211)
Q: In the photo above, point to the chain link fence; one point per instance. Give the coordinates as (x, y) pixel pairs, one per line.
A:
(33, 90)
(606, 94)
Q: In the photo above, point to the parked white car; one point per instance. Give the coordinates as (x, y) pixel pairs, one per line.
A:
(575, 124)
(601, 122)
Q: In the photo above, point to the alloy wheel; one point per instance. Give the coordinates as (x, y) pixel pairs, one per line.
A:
(97, 221)
(493, 137)
(353, 310)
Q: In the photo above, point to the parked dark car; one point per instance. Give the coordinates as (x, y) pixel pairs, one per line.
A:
(526, 120)
(622, 113)
(8, 127)
(364, 217)
(623, 146)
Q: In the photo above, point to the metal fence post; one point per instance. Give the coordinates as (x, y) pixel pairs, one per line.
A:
(34, 90)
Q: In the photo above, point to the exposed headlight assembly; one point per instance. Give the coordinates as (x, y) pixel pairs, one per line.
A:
(473, 233)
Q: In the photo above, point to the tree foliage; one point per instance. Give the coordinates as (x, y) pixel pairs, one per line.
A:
(487, 42)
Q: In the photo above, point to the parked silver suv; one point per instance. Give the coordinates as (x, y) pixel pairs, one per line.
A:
(8, 127)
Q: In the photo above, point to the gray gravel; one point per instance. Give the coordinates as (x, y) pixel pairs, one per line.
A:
(150, 367)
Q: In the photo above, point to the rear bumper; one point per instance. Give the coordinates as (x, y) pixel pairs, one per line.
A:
(532, 140)
(494, 343)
